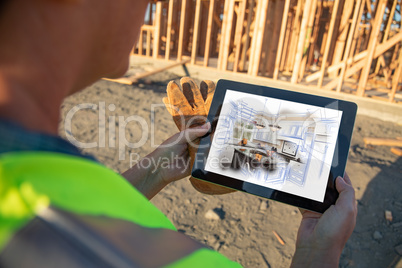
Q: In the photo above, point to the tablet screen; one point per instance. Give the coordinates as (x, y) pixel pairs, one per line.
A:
(275, 143)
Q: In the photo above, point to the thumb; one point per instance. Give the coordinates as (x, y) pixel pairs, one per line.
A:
(346, 197)
(191, 134)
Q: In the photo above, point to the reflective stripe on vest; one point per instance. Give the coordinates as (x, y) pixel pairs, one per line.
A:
(30, 182)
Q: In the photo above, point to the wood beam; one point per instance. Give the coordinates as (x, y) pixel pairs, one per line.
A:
(181, 31)
(281, 38)
(169, 30)
(157, 30)
(209, 31)
(223, 34)
(242, 64)
(355, 19)
(258, 36)
(301, 41)
(397, 78)
(371, 47)
(386, 33)
(239, 32)
(195, 31)
(328, 42)
(227, 35)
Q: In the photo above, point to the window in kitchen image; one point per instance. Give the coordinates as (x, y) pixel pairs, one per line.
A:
(242, 130)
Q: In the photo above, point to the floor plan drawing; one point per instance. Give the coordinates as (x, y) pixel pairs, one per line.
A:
(275, 143)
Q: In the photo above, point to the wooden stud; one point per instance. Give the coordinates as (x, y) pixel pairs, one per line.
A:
(397, 78)
(157, 24)
(224, 29)
(239, 31)
(247, 34)
(301, 42)
(294, 37)
(169, 29)
(209, 31)
(281, 39)
(357, 31)
(394, 55)
(216, 27)
(148, 50)
(181, 32)
(371, 47)
(273, 49)
(150, 13)
(328, 42)
(258, 36)
(343, 32)
(386, 32)
(254, 39)
(268, 40)
(140, 42)
(195, 33)
(314, 37)
(227, 35)
(307, 47)
(203, 28)
(349, 43)
(286, 42)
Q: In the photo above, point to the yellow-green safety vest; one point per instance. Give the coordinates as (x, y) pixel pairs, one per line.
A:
(32, 182)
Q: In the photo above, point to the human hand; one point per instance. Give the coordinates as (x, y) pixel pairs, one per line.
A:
(168, 163)
(173, 154)
(322, 237)
(189, 107)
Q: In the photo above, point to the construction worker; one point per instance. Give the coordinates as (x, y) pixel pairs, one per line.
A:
(60, 208)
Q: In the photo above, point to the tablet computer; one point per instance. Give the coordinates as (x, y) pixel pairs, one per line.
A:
(282, 145)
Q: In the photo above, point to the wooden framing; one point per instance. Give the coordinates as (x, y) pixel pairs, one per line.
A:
(242, 63)
(239, 32)
(195, 31)
(281, 38)
(209, 32)
(258, 35)
(371, 47)
(301, 41)
(169, 30)
(328, 43)
(356, 13)
(297, 40)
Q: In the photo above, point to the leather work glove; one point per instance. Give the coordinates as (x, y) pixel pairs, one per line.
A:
(189, 107)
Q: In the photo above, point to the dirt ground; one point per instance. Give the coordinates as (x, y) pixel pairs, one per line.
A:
(241, 226)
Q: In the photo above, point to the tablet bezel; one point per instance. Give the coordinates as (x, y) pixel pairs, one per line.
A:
(341, 149)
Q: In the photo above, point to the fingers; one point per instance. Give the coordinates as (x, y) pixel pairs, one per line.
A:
(196, 132)
(177, 99)
(207, 87)
(346, 200)
(192, 94)
(168, 106)
(210, 96)
(188, 86)
(347, 179)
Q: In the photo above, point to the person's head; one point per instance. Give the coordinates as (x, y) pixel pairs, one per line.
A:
(89, 37)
